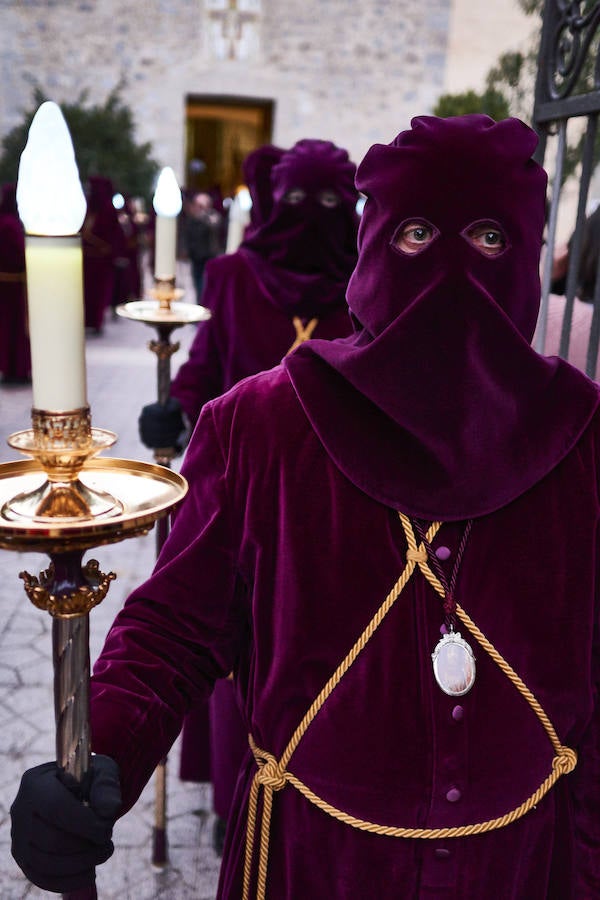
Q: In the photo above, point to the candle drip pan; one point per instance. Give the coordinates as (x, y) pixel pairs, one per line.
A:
(146, 492)
(64, 498)
(153, 312)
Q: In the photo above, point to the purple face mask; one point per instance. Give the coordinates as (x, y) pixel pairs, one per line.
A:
(304, 253)
(457, 178)
(439, 387)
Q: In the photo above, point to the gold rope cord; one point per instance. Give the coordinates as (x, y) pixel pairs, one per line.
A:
(302, 333)
(273, 775)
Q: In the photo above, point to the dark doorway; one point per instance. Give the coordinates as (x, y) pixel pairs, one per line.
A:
(220, 132)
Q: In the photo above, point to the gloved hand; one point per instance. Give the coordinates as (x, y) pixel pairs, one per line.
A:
(163, 426)
(57, 840)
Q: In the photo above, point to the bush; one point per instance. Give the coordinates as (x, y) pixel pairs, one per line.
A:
(104, 141)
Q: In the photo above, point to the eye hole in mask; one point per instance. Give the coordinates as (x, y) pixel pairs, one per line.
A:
(487, 237)
(294, 196)
(329, 198)
(413, 236)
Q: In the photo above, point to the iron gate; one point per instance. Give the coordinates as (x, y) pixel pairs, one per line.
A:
(567, 99)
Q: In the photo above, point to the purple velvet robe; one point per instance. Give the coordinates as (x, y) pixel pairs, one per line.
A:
(15, 356)
(275, 564)
(245, 335)
(103, 241)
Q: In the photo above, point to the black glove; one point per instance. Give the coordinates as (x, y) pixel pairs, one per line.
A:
(163, 426)
(57, 840)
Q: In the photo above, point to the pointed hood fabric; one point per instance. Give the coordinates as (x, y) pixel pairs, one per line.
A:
(437, 405)
(8, 199)
(257, 169)
(303, 255)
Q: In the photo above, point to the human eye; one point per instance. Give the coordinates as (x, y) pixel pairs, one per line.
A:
(486, 237)
(413, 237)
(329, 199)
(294, 196)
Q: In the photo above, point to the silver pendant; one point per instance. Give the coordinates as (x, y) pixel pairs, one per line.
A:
(454, 665)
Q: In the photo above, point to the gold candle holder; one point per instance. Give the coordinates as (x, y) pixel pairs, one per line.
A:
(165, 292)
(61, 442)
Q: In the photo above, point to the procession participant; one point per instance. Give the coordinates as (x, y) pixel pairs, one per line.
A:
(103, 245)
(428, 486)
(285, 283)
(201, 236)
(15, 355)
(127, 268)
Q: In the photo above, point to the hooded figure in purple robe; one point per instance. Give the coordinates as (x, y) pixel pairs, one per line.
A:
(392, 540)
(15, 356)
(103, 244)
(286, 283)
(128, 275)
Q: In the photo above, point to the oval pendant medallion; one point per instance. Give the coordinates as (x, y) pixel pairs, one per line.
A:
(454, 665)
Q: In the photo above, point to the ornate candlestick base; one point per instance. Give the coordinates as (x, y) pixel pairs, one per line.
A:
(61, 442)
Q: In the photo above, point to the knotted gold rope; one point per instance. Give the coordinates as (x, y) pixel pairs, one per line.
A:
(302, 333)
(272, 774)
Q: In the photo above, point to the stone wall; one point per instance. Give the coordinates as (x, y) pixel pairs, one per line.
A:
(347, 70)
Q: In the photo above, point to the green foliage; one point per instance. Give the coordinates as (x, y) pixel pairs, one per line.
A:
(530, 7)
(104, 141)
(513, 77)
(491, 102)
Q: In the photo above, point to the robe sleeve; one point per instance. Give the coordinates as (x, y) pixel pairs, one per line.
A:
(178, 632)
(200, 378)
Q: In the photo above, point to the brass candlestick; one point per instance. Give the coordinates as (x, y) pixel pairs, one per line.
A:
(165, 313)
(64, 502)
(61, 442)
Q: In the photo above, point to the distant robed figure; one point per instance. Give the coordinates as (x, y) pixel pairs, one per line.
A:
(15, 357)
(103, 243)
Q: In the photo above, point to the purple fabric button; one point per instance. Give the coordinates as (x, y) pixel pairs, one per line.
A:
(443, 629)
(457, 713)
(453, 795)
(442, 553)
(441, 853)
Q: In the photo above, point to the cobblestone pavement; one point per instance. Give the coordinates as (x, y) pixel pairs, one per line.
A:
(121, 379)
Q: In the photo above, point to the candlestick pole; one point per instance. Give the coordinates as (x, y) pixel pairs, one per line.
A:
(165, 314)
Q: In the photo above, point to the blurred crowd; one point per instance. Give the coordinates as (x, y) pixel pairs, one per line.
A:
(118, 245)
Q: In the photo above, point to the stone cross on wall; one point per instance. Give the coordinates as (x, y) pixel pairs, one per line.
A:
(233, 27)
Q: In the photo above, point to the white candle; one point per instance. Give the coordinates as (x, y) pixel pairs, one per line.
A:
(238, 219)
(164, 248)
(52, 207)
(167, 205)
(56, 322)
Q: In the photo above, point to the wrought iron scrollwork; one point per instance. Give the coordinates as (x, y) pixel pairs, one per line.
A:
(574, 28)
